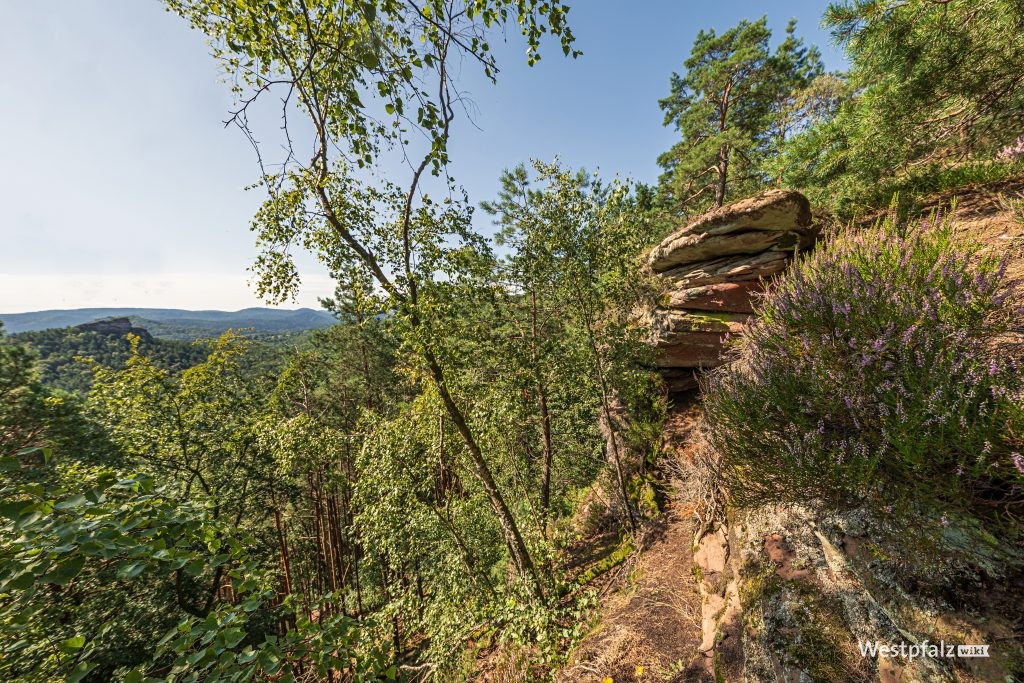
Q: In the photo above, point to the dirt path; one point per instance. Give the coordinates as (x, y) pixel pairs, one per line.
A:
(650, 626)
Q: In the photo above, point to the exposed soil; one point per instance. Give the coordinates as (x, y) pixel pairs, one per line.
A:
(650, 623)
(650, 618)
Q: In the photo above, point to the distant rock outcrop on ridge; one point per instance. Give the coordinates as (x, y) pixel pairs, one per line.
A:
(115, 326)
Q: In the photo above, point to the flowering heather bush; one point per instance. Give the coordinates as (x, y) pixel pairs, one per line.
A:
(867, 376)
(1012, 152)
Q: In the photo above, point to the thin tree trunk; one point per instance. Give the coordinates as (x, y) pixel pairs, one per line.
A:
(352, 545)
(510, 530)
(723, 151)
(723, 172)
(396, 630)
(409, 301)
(468, 558)
(606, 409)
(545, 426)
(338, 547)
(285, 562)
(545, 419)
(364, 360)
(318, 536)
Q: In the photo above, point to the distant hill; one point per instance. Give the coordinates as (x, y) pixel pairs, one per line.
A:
(172, 323)
(172, 347)
(60, 351)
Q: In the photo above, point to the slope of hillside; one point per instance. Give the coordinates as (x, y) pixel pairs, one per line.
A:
(177, 323)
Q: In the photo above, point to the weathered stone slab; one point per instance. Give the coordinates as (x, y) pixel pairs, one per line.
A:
(735, 297)
(729, 269)
(692, 248)
(690, 350)
(710, 271)
(665, 323)
(772, 211)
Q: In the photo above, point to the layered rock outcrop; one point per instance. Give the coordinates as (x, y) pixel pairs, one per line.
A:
(710, 271)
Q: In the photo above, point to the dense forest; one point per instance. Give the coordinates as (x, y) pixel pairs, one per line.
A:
(65, 354)
(435, 487)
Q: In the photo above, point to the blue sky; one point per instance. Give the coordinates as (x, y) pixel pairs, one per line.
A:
(120, 187)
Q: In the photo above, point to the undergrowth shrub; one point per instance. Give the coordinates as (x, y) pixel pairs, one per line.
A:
(869, 377)
(852, 196)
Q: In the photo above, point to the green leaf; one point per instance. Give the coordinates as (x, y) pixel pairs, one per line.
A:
(130, 571)
(14, 509)
(73, 643)
(232, 637)
(65, 571)
(72, 502)
(167, 637)
(370, 60)
(80, 672)
(195, 567)
(251, 604)
(21, 582)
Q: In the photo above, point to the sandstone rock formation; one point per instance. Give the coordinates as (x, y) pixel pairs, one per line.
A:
(790, 593)
(711, 269)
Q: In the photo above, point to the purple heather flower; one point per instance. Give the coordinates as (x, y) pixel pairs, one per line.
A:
(1014, 150)
(1018, 461)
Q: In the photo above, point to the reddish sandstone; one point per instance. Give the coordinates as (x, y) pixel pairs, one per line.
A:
(733, 297)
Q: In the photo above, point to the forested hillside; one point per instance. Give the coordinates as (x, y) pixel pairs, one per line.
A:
(728, 426)
(65, 354)
(172, 323)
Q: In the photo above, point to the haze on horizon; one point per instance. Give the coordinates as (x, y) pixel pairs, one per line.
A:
(122, 188)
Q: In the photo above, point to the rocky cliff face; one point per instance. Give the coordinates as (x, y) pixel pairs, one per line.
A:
(796, 593)
(710, 271)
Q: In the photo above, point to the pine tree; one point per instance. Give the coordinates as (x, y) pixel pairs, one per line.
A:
(719, 106)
